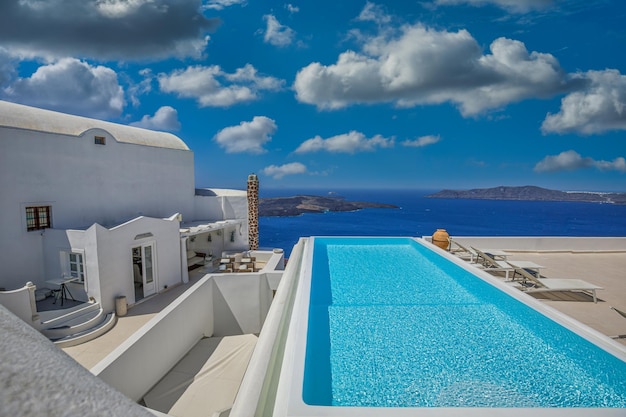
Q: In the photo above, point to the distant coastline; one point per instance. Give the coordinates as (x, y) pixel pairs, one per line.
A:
(531, 193)
(300, 204)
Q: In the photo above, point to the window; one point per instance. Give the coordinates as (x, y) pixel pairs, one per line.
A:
(38, 218)
(76, 268)
(99, 140)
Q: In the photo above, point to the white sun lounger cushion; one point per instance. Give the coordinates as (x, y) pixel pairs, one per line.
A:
(566, 284)
(206, 380)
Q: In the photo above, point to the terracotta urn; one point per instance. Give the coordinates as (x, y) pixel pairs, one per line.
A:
(440, 238)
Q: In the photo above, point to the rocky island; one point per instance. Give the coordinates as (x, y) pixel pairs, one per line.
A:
(294, 206)
(531, 193)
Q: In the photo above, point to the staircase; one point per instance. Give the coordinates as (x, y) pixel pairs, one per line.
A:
(77, 325)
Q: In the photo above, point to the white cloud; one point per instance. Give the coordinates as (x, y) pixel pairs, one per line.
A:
(71, 86)
(422, 141)
(351, 142)
(277, 34)
(598, 108)
(516, 6)
(373, 13)
(572, 160)
(212, 87)
(618, 164)
(222, 4)
(8, 66)
(425, 66)
(136, 89)
(105, 29)
(279, 171)
(291, 8)
(565, 161)
(119, 8)
(165, 118)
(247, 136)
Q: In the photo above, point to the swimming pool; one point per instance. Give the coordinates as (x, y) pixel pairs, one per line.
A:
(388, 322)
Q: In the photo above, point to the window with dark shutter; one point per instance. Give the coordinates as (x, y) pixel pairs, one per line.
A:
(38, 218)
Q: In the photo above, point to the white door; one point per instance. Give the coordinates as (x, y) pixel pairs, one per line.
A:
(143, 267)
(149, 284)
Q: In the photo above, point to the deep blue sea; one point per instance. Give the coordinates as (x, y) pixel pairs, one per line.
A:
(421, 216)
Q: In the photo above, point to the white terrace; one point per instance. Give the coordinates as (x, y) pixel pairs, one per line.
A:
(215, 346)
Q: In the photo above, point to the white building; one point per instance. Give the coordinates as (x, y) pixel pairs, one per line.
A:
(102, 203)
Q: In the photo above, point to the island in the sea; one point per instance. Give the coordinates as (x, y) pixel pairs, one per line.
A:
(531, 193)
(300, 204)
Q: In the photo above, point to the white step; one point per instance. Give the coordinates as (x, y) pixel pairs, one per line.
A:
(58, 318)
(74, 323)
(104, 326)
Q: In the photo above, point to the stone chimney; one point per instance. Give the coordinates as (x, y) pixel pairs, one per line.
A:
(253, 212)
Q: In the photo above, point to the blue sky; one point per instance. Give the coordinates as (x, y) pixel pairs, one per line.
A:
(342, 94)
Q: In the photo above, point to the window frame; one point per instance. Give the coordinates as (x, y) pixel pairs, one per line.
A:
(38, 218)
(79, 273)
(100, 140)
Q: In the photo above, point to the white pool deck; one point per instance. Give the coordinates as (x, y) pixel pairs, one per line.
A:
(606, 268)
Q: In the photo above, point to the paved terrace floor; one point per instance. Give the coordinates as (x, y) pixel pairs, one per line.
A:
(90, 353)
(607, 270)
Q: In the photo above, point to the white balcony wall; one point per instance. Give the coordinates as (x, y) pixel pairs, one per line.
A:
(217, 305)
(218, 204)
(21, 302)
(544, 243)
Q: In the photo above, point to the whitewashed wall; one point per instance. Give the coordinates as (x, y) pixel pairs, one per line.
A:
(85, 184)
(115, 272)
(21, 302)
(544, 243)
(219, 204)
(217, 305)
(56, 241)
(108, 261)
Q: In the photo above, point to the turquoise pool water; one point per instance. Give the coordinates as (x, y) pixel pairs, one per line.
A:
(393, 324)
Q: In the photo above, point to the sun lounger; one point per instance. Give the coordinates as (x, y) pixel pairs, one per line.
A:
(489, 255)
(623, 314)
(497, 254)
(558, 284)
(461, 251)
(528, 266)
(620, 312)
(489, 264)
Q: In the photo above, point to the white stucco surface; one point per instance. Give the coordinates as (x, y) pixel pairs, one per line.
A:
(39, 379)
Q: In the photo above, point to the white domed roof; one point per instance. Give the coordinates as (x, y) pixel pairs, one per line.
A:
(32, 118)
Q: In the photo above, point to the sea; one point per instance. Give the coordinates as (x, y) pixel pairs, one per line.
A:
(419, 215)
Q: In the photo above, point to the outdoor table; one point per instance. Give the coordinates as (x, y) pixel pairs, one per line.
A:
(63, 292)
